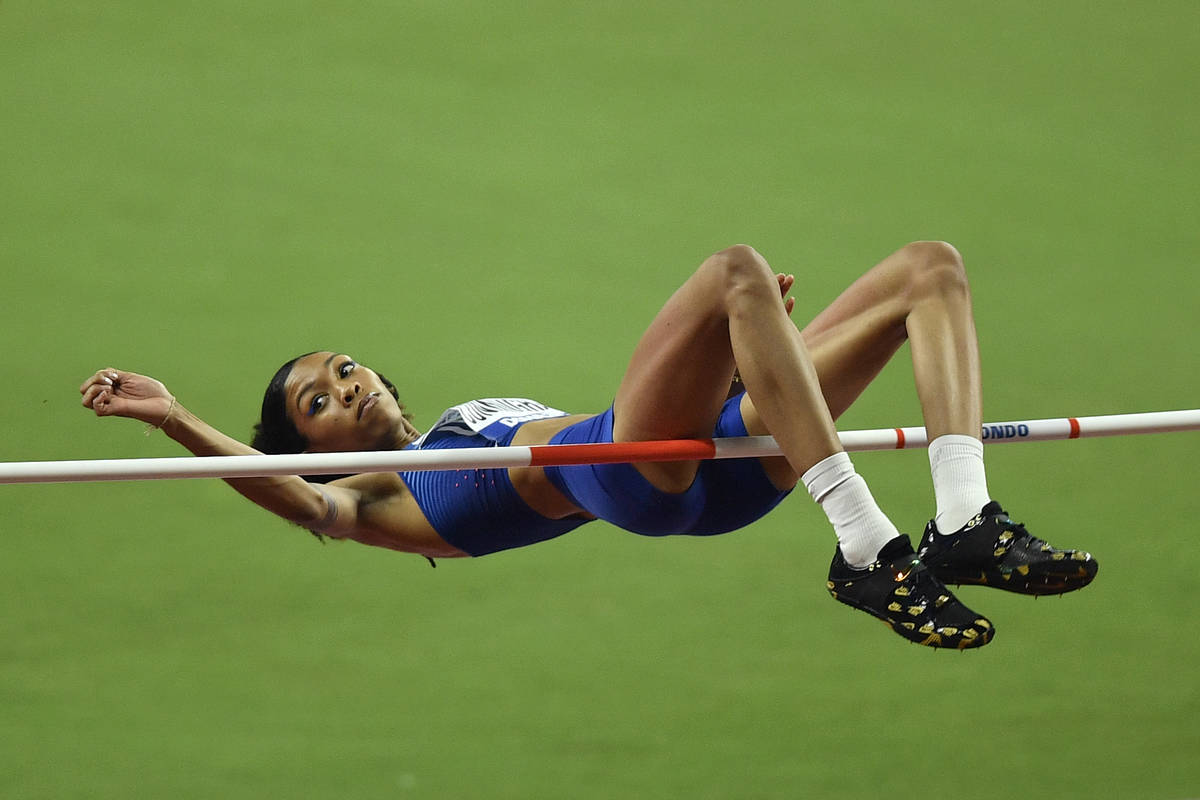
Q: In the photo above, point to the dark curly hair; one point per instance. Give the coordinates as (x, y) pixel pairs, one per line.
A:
(276, 433)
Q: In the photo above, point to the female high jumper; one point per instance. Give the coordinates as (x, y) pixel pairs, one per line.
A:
(725, 325)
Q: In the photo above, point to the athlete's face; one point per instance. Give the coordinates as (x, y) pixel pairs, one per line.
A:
(339, 405)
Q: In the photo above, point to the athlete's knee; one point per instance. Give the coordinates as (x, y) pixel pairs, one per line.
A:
(741, 254)
(742, 273)
(934, 268)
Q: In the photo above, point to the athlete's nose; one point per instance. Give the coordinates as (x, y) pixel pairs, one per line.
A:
(350, 392)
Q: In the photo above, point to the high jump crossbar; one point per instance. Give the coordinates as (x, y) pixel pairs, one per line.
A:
(469, 458)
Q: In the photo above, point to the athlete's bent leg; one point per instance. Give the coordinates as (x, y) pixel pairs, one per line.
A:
(918, 294)
(728, 312)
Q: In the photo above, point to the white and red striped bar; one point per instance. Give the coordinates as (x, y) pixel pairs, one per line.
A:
(136, 469)
(1036, 430)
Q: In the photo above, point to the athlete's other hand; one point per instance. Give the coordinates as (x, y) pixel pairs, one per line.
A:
(785, 286)
(115, 393)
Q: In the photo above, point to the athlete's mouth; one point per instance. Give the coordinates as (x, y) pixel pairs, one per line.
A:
(367, 403)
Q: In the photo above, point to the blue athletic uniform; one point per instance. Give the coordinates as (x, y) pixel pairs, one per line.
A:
(727, 494)
(479, 511)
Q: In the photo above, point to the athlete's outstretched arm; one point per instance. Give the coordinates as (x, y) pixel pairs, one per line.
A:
(117, 393)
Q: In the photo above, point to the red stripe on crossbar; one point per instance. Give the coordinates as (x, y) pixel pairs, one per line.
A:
(1074, 428)
(621, 452)
(899, 438)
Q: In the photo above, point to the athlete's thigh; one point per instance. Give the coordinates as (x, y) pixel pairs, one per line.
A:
(849, 342)
(678, 377)
(852, 339)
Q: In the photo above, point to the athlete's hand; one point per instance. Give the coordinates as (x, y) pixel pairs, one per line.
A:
(785, 286)
(115, 393)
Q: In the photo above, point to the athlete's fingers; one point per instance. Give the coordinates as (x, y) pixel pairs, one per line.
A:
(95, 391)
(108, 404)
(107, 376)
(100, 401)
(785, 283)
(94, 379)
(91, 393)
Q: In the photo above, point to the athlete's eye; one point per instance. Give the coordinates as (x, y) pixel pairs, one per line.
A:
(317, 404)
(345, 369)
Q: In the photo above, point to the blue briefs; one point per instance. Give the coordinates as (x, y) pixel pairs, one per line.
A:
(727, 494)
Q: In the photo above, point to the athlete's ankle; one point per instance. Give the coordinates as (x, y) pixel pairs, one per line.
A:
(862, 528)
(959, 480)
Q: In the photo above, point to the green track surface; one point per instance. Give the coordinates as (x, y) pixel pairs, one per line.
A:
(491, 199)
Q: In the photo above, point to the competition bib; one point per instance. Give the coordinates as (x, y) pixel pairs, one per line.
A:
(492, 418)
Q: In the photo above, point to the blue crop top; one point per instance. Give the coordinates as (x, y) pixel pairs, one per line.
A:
(479, 511)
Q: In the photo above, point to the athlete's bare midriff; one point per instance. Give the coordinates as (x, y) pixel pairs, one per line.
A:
(531, 483)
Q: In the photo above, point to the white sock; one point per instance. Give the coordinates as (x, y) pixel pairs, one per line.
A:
(959, 480)
(862, 529)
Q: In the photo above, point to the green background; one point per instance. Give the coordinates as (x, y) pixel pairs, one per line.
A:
(490, 199)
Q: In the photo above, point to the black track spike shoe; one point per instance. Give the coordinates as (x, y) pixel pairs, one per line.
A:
(992, 550)
(902, 592)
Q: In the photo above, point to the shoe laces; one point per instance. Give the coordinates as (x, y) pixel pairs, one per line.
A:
(1023, 537)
